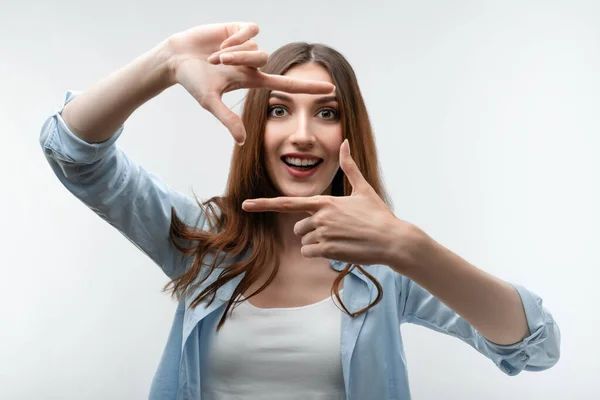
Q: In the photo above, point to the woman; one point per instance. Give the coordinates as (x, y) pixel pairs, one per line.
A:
(304, 215)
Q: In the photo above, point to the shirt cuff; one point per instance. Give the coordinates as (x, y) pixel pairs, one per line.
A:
(513, 357)
(66, 146)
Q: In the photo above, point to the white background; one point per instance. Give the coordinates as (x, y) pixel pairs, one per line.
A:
(486, 120)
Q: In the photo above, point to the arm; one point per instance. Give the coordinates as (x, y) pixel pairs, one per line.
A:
(79, 142)
(96, 114)
(505, 322)
(491, 305)
(121, 192)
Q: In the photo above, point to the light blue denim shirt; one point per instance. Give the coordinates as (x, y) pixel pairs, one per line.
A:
(138, 204)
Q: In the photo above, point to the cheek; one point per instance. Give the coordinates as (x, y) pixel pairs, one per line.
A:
(334, 140)
(274, 135)
(271, 142)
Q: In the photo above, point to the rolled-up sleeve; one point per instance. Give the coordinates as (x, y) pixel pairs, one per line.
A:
(136, 202)
(537, 352)
(61, 144)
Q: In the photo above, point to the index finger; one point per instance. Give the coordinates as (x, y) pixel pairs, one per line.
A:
(294, 85)
(282, 204)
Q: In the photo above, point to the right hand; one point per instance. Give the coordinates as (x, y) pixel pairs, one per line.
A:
(208, 79)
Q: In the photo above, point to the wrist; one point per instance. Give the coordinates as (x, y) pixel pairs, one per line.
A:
(163, 65)
(410, 245)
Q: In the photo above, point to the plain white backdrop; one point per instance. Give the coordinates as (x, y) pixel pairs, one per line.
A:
(486, 121)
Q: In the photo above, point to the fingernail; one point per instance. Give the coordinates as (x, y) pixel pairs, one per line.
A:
(348, 146)
(226, 58)
(248, 204)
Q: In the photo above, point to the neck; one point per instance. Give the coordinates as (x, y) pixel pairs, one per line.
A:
(285, 224)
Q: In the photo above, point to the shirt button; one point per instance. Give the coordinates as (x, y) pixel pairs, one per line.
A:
(523, 356)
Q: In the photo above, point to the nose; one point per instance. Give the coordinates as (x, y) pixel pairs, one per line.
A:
(303, 135)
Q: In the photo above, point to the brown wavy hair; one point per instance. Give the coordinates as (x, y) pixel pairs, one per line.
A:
(235, 232)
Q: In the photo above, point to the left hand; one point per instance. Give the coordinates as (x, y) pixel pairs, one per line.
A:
(358, 229)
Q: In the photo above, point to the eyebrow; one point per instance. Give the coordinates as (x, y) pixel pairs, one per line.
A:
(321, 100)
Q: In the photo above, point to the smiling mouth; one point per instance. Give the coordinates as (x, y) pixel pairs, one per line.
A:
(303, 167)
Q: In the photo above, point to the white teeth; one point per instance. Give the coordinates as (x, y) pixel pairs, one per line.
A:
(299, 162)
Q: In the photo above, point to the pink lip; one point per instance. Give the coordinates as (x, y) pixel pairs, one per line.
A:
(301, 174)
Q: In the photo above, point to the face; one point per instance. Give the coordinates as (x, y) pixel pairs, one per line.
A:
(302, 139)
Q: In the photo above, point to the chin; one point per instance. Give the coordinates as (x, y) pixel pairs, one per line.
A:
(301, 190)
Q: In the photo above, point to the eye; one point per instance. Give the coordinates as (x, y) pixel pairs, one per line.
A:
(329, 113)
(276, 111)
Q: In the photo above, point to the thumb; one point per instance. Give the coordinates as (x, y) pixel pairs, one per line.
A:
(214, 105)
(349, 167)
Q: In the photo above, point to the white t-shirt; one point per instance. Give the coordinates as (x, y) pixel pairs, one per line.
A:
(276, 353)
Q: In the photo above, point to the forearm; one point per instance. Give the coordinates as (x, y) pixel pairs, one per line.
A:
(490, 305)
(99, 111)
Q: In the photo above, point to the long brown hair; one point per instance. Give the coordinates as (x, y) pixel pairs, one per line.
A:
(235, 232)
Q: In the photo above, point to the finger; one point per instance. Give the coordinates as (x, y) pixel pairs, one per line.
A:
(310, 238)
(304, 226)
(254, 59)
(312, 251)
(292, 85)
(349, 167)
(249, 45)
(282, 204)
(231, 120)
(247, 31)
